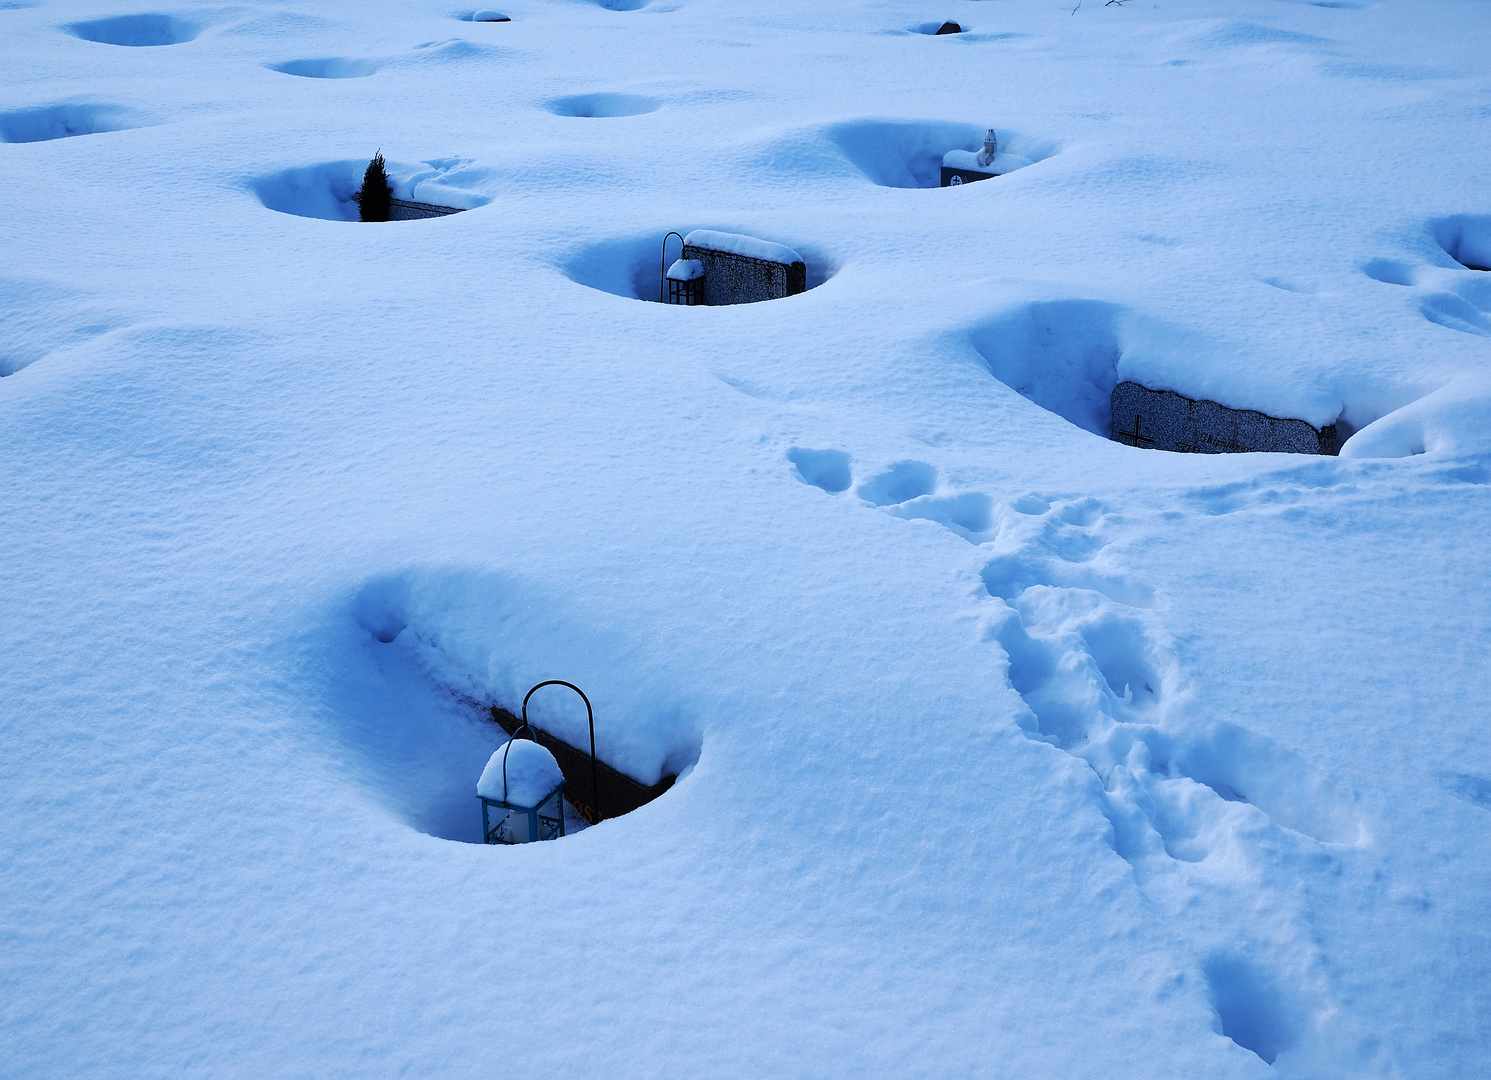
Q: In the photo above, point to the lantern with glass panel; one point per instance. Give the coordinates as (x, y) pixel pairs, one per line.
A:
(521, 792)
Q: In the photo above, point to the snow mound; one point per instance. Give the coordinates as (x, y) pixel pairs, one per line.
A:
(1453, 420)
(38, 318)
(520, 772)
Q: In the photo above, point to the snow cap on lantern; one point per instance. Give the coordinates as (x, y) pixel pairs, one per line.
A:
(523, 782)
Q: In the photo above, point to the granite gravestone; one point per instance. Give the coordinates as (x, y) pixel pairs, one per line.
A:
(1165, 420)
(742, 269)
(949, 28)
(407, 210)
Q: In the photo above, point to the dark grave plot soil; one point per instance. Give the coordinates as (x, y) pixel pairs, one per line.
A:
(616, 792)
(1165, 420)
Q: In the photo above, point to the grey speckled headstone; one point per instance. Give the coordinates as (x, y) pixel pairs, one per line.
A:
(731, 278)
(1165, 420)
(407, 210)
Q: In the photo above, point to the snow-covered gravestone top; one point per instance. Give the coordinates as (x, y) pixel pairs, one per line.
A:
(741, 269)
(521, 778)
(985, 163)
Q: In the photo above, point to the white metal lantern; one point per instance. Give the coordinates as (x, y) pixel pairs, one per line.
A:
(521, 792)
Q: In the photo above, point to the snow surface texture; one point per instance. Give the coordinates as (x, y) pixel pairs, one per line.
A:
(520, 772)
(1003, 749)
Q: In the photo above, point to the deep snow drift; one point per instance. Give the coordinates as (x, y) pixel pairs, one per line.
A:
(1002, 749)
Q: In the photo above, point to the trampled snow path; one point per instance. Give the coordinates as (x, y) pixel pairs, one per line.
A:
(1216, 821)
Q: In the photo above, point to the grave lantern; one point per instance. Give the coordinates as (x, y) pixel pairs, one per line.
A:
(686, 282)
(683, 282)
(521, 792)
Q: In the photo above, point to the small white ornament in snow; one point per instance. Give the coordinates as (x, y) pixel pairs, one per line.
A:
(990, 149)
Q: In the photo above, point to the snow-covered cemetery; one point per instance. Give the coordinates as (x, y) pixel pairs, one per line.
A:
(745, 538)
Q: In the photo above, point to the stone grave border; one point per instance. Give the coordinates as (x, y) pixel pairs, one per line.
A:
(1197, 426)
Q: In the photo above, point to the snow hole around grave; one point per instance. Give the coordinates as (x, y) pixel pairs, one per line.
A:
(1466, 238)
(1061, 354)
(632, 266)
(1064, 355)
(137, 30)
(426, 651)
(908, 153)
(604, 105)
(65, 120)
(330, 67)
(931, 28)
(325, 191)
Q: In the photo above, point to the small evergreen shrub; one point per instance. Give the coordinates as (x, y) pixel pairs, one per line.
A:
(375, 200)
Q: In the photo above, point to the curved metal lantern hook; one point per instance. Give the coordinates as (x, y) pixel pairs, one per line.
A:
(595, 785)
(662, 294)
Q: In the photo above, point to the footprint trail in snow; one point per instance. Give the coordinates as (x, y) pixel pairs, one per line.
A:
(1219, 824)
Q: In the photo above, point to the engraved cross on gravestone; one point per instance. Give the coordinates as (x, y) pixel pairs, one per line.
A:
(1134, 437)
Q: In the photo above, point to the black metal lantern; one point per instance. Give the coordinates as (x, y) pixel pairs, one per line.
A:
(683, 282)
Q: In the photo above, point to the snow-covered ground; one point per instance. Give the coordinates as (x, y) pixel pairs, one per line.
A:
(1005, 749)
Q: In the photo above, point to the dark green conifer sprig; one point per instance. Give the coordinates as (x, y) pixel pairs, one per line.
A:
(375, 200)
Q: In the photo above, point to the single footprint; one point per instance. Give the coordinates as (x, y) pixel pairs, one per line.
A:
(900, 483)
(826, 469)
